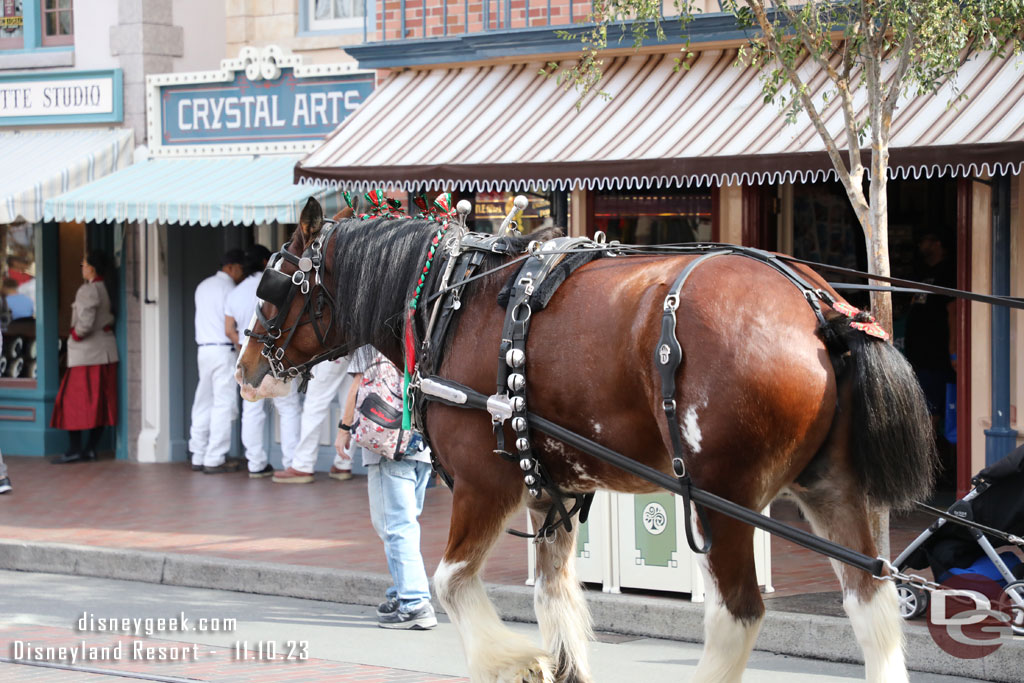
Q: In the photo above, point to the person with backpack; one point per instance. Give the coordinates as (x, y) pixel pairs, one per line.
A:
(398, 470)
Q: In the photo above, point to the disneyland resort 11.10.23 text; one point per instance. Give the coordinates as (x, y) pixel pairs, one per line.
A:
(126, 650)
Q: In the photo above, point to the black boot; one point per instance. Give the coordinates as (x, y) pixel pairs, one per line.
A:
(73, 454)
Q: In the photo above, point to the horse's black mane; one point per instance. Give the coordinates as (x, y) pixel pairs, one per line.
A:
(379, 261)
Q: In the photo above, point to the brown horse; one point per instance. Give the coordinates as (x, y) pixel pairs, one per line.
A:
(765, 407)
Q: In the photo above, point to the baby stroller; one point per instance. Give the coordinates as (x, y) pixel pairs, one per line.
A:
(963, 539)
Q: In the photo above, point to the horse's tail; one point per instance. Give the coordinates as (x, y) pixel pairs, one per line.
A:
(892, 445)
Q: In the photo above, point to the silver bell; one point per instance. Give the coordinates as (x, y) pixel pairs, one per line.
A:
(516, 381)
(515, 358)
(518, 404)
(526, 464)
(530, 479)
(522, 444)
(519, 424)
(535, 493)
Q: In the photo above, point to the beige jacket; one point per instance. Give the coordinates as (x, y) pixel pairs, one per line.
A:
(90, 314)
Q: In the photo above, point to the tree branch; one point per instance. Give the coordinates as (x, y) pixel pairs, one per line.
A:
(892, 95)
(802, 92)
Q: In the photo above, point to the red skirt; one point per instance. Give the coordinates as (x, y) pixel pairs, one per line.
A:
(87, 398)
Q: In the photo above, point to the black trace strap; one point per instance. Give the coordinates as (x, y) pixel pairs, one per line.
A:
(667, 357)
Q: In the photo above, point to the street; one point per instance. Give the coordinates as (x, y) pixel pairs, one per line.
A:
(228, 636)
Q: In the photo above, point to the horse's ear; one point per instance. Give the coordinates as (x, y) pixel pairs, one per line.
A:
(311, 219)
(347, 212)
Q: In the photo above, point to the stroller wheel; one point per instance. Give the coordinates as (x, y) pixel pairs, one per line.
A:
(1015, 601)
(913, 600)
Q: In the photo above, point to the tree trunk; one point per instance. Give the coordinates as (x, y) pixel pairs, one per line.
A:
(877, 240)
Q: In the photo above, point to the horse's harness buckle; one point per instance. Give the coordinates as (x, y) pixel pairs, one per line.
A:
(678, 468)
(527, 284)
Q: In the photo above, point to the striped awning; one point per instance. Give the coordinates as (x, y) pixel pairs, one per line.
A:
(504, 127)
(206, 191)
(36, 166)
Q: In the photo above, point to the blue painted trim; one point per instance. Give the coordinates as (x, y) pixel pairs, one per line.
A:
(705, 28)
(116, 116)
(122, 446)
(1000, 439)
(37, 50)
(31, 12)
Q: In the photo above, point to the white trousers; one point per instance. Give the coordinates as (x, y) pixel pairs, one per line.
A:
(329, 380)
(214, 407)
(254, 419)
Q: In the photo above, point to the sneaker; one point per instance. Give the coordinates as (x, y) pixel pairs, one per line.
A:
(226, 466)
(340, 475)
(387, 607)
(267, 471)
(418, 620)
(197, 468)
(292, 476)
(5, 485)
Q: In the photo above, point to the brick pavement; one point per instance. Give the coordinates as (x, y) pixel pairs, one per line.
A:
(206, 663)
(167, 507)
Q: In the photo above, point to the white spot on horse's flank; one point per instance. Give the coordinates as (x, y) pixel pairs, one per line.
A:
(597, 427)
(691, 430)
(582, 476)
(554, 446)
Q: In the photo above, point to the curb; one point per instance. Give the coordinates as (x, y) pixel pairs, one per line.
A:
(788, 633)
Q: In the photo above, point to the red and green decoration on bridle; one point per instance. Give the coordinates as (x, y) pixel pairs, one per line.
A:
(382, 206)
(442, 212)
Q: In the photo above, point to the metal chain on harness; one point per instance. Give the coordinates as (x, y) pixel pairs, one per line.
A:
(896, 576)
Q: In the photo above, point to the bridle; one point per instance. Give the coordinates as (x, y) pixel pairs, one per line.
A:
(280, 289)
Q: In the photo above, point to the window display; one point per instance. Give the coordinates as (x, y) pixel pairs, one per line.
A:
(18, 300)
(654, 216)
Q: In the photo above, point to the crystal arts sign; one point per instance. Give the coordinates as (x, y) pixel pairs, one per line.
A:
(264, 101)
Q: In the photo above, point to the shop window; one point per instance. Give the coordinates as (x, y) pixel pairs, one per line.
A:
(12, 25)
(655, 216)
(58, 23)
(18, 301)
(330, 15)
(490, 209)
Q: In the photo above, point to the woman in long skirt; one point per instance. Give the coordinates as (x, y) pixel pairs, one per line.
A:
(87, 399)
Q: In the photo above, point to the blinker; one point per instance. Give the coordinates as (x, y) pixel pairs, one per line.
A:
(273, 287)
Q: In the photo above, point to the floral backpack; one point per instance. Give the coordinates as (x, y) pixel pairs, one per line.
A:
(378, 423)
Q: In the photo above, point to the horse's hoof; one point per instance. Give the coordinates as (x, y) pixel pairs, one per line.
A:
(534, 672)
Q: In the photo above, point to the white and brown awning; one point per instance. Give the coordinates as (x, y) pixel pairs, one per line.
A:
(508, 127)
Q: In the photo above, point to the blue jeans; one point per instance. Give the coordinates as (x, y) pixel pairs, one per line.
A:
(396, 492)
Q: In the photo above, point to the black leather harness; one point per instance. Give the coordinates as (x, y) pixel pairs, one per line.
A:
(528, 292)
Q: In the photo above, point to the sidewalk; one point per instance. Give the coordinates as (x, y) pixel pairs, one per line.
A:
(169, 508)
(166, 525)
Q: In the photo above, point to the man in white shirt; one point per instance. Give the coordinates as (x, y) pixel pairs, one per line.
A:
(329, 380)
(238, 313)
(215, 404)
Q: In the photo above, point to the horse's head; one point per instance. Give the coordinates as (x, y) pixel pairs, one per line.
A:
(293, 325)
